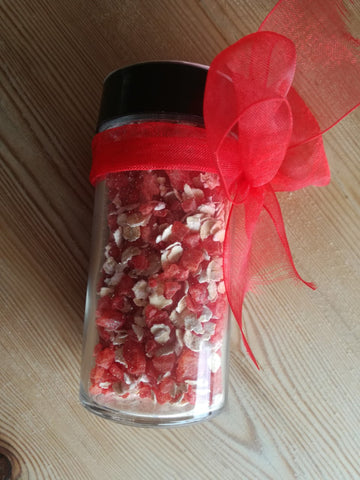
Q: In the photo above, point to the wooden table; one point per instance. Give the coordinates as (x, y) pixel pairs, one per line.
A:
(299, 417)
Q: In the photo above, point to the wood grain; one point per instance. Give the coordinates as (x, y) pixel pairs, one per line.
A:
(299, 417)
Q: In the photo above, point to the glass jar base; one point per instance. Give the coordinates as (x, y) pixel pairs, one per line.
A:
(148, 420)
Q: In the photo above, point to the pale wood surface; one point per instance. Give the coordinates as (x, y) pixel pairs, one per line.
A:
(299, 417)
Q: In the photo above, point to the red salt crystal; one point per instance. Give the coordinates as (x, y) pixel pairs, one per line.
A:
(110, 319)
(170, 288)
(191, 259)
(135, 357)
(105, 358)
(165, 363)
(199, 293)
(187, 365)
(140, 262)
(117, 371)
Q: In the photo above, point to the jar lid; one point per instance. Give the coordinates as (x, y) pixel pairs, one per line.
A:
(160, 88)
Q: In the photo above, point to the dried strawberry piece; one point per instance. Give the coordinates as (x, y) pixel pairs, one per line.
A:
(161, 213)
(98, 347)
(154, 315)
(192, 305)
(191, 259)
(135, 357)
(95, 390)
(170, 288)
(154, 281)
(117, 303)
(190, 395)
(219, 308)
(199, 293)
(166, 390)
(140, 262)
(105, 358)
(179, 178)
(151, 372)
(165, 363)
(191, 240)
(175, 272)
(110, 320)
(104, 303)
(104, 335)
(216, 382)
(144, 390)
(187, 365)
(150, 347)
(149, 186)
(116, 182)
(189, 204)
(146, 233)
(112, 222)
(114, 251)
(178, 232)
(125, 286)
(148, 207)
(117, 371)
(97, 374)
(214, 249)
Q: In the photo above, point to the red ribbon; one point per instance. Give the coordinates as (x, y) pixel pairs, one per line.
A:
(268, 100)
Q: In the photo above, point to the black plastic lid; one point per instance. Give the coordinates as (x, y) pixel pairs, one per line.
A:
(153, 88)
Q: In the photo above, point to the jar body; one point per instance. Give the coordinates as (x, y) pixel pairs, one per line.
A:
(157, 317)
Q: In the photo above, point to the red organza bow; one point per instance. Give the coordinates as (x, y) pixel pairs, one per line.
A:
(268, 100)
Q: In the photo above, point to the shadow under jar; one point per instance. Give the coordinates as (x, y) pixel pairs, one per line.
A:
(155, 349)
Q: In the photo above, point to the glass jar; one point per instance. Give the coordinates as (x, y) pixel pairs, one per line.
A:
(155, 347)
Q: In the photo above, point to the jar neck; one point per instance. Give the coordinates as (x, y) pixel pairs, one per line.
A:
(192, 120)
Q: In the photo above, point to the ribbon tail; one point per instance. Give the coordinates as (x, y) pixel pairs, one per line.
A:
(238, 254)
(238, 317)
(272, 207)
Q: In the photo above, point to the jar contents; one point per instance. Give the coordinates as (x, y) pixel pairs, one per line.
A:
(162, 307)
